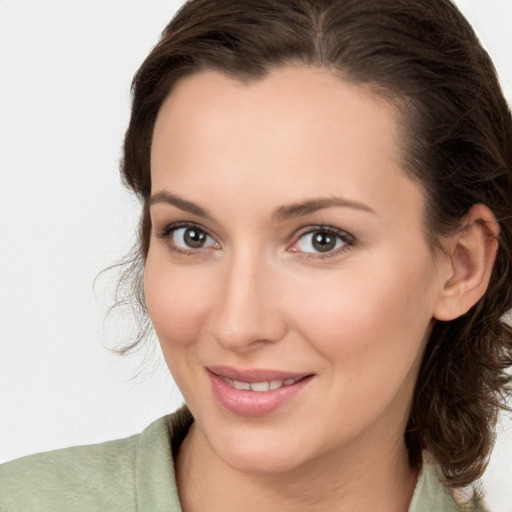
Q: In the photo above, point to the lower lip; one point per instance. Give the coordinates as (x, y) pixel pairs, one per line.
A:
(253, 403)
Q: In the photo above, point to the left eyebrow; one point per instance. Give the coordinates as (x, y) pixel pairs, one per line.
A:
(312, 205)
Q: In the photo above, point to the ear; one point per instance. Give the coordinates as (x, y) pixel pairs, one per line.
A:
(468, 267)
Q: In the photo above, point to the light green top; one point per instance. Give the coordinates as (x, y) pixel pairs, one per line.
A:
(134, 474)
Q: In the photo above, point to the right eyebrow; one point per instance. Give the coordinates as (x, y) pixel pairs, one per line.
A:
(183, 204)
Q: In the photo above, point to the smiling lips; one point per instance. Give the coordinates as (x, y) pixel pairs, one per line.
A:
(254, 392)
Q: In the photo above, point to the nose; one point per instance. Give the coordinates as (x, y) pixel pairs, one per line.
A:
(247, 313)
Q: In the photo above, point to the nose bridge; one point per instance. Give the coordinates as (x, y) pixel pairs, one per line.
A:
(247, 312)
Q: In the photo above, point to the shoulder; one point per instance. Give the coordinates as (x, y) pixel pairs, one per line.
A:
(73, 475)
(116, 475)
(430, 493)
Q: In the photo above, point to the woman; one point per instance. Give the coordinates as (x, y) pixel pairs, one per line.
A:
(326, 244)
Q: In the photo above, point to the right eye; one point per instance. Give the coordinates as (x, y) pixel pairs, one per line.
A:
(192, 238)
(187, 238)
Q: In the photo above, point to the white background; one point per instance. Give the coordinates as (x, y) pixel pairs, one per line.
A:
(65, 71)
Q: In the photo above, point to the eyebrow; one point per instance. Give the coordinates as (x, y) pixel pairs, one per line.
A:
(280, 214)
(183, 204)
(312, 205)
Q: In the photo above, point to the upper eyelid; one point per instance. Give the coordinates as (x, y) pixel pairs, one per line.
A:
(330, 229)
(173, 226)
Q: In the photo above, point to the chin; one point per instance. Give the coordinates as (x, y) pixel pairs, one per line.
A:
(261, 452)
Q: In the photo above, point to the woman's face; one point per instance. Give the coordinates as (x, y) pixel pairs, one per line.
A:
(288, 277)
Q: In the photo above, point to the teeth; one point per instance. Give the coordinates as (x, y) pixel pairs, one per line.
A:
(259, 387)
(241, 385)
(276, 384)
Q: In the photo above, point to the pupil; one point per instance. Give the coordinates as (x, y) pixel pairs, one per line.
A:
(323, 242)
(195, 238)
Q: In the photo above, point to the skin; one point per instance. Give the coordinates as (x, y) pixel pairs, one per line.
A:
(259, 295)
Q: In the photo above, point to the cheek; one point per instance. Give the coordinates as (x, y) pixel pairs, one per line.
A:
(368, 317)
(176, 300)
(370, 334)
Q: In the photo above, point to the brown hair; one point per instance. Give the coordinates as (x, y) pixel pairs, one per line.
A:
(425, 58)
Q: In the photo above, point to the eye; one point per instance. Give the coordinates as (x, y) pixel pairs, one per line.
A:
(323, 240)
(191, 238)
(188, 237)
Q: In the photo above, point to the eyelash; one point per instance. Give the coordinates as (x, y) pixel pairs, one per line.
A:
(347, 239)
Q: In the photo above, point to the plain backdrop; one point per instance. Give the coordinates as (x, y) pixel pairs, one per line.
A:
(65, 72)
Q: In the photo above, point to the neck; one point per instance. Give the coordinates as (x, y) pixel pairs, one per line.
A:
(348, 480)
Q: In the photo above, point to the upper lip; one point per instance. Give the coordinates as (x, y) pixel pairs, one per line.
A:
(254, 374)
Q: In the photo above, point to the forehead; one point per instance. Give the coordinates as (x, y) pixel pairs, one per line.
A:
(297, 131)
(295, 100)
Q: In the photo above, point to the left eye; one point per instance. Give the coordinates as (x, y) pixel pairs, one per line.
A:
(321, 241)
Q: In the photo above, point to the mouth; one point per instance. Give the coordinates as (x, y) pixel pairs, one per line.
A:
(255, 392)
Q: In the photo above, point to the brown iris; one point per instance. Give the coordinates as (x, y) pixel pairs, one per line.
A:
(323, 242)
(194, 238)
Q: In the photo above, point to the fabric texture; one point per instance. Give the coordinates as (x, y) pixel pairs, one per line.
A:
(137, 474)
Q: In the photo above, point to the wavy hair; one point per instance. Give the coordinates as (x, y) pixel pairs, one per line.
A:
(426, 60)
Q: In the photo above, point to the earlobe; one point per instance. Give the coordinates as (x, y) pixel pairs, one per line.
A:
(471, 258)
